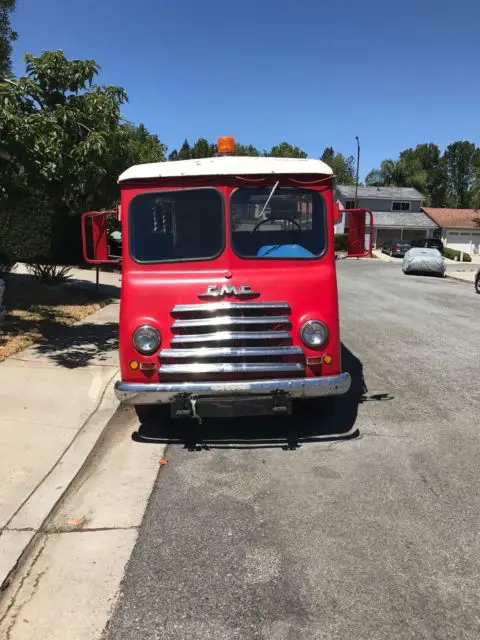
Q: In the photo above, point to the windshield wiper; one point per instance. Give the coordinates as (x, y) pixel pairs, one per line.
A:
(269, 198)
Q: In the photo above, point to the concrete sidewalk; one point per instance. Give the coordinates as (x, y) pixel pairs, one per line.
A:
(109, 281)
(464, 276)
(55, 400)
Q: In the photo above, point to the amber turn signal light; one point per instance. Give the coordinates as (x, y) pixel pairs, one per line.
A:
(226, 145)
(316, 360)
(133, 364)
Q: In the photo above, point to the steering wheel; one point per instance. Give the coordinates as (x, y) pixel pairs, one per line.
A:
(259, 224)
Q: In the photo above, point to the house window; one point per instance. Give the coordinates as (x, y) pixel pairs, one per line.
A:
(398, 205)
(350, 204)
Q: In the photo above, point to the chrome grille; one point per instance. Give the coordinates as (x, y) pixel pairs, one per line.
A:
(241, 339)
(231, 321)
(230, 336)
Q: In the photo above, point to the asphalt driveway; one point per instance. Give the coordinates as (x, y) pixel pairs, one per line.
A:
(269, 533)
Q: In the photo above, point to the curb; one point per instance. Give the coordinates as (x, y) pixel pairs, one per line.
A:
(470, 282)
(21, 532)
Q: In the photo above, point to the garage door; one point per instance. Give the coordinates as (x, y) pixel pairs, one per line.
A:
(387, 235)
(464, 241)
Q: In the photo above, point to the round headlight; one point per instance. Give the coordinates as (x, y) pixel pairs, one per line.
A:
(314, 333)
(146, 339)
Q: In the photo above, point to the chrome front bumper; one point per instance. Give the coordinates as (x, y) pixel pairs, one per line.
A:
(155, 393)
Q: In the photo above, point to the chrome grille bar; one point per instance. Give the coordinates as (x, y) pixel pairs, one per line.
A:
(229, 320)
(232, 367)
(230, 336)
(230, 352)
(230, 306)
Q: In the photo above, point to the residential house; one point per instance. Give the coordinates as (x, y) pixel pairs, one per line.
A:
(459, 228)
(397, 212)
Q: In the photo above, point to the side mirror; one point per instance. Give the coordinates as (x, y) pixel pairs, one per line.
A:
(98, 240)
(359, 239)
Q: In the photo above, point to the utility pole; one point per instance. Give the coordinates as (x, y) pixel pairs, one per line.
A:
(358, 167)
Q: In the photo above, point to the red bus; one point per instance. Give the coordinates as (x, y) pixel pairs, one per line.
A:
(229, 294)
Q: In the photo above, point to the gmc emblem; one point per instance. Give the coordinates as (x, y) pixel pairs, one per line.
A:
(214, 291)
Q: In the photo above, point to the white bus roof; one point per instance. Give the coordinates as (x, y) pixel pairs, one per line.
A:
(226, 166)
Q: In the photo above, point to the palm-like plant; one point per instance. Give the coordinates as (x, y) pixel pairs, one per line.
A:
(390, 174)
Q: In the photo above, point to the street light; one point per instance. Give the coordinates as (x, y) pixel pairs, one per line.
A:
(358, 167)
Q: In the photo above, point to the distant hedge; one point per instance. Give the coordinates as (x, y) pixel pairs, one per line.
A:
(341, 242)
(31, 232)
(453, 254)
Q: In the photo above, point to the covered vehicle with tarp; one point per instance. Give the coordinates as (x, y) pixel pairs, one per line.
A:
(425, 261)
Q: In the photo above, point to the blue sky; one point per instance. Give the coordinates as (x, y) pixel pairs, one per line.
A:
(312, 72)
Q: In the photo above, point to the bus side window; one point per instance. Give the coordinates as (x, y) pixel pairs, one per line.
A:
(163, 217)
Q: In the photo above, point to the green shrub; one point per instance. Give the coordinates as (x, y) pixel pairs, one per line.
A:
(453, 254)
(7, 263)
(341, 241)
(49, 273)
(31, 231)
(25, 229)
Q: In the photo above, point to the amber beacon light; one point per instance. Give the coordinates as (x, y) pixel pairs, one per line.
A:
(226, 145)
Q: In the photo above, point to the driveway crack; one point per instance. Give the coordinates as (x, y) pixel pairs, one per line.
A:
(13, 597)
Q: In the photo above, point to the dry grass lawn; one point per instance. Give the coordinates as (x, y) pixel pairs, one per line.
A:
(36, 311)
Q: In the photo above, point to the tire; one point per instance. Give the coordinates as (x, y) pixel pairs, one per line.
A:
(477, 283)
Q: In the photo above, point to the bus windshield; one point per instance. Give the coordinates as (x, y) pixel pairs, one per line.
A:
(175, 226)
(278, 223)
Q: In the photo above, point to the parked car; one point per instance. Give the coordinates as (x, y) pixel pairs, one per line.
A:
(477, 281)
(397, 248)
(424, 261)
(429, 243)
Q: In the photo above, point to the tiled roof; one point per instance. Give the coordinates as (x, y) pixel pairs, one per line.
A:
(389, 193)
(453, 218)
(402, 219)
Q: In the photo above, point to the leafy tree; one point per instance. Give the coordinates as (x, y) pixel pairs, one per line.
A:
(421, 168)
(63, 146)
(202, 149)
(139, 145)
(476, 197)
(462, 164)
(286, 150)
(129, 145)
(7, 36)
(425, 170)
(246, 150)
(343, 167)
(56, 126)
(390, 174)
(185, 152)
(451, 180)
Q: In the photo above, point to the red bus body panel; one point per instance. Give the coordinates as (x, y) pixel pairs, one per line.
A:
(150, 291)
